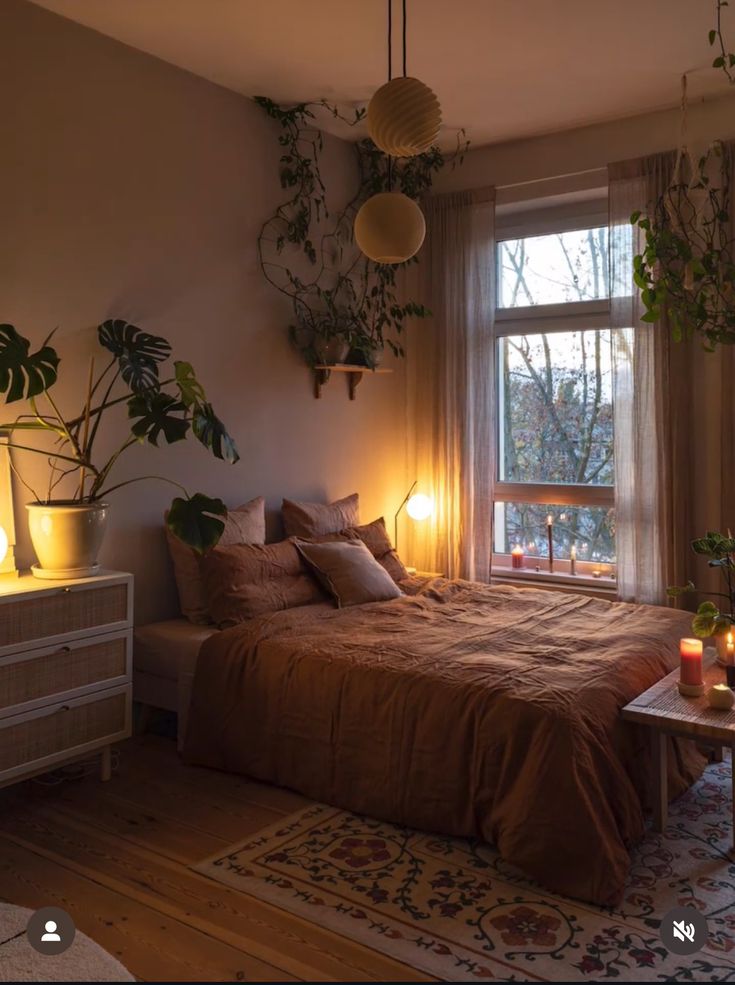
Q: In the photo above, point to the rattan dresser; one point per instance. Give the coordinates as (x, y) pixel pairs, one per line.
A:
(65, 671)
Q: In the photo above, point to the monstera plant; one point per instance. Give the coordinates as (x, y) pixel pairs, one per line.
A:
(168, 409)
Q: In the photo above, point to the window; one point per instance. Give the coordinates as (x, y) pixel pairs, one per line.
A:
(554, 393)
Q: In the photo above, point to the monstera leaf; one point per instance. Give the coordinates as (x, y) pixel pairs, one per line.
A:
(191, 390)
(210, 430)
(137, 353)
(23, 373)
(157, 414)
(198, 521)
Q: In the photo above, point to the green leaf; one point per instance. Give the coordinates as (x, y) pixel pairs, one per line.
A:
(718, 62)
(712, 37)
(137, 353)
(674, 591)
(651, 316)
(210, 430)
(23, 373)
(156, 414)
(191, 390)
(197, 521)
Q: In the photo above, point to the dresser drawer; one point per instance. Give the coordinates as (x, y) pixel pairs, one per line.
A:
(36, 677)
(56, 732)
(61, 612)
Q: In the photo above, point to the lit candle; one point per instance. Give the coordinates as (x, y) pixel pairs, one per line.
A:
(730, 649)
(550, 535)
(516, 557)
(690, 673)
(573, 560)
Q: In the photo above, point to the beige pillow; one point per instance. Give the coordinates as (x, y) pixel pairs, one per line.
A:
(243, 525)
(316, 519)
(349, 572)
(375, 537)
(247, 580)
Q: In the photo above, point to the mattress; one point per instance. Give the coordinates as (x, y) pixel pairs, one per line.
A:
(169, 649)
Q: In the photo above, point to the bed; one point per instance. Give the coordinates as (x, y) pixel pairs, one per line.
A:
(458, 708)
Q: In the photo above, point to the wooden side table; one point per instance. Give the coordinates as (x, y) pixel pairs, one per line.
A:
(667, 712)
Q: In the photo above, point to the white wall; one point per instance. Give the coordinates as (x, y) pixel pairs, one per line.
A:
(133, 189)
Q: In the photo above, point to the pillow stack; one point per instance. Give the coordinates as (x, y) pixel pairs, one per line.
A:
(326, 554)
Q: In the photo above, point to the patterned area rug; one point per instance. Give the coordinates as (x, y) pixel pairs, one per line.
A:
(452, 908)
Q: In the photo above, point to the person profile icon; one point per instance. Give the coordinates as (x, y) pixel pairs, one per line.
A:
(51, 936)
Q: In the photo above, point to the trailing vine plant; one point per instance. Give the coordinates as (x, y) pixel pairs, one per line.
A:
(725, 61)
(337, 293)
(686, 268)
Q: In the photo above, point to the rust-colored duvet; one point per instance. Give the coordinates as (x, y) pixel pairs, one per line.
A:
(461, 709)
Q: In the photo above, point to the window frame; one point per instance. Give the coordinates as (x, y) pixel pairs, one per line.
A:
(568, 316)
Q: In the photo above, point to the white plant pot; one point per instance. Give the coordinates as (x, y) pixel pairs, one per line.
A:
(66, 538)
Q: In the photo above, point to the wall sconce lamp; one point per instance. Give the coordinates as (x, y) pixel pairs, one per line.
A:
(418, 506)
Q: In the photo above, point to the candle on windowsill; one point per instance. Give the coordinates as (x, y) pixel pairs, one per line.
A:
(691, 684)
(573, 560)
(730, 649)
(550, 536)
(516, 557)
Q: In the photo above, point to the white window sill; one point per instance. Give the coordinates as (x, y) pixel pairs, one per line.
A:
(605, 584)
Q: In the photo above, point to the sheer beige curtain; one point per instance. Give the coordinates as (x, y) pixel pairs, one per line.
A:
(451, 383)
(674, 433)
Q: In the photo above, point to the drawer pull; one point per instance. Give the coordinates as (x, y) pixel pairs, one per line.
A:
(64, 649)
(65, 708)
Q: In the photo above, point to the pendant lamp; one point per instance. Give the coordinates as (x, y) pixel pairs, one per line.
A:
(390, 227)
(404, 115)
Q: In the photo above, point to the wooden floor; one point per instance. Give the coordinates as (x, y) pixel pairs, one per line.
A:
(116, 857)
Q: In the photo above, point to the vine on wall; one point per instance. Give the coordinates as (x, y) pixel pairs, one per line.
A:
(337, 294)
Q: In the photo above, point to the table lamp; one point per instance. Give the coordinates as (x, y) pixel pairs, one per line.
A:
(7, 526)
(418, 506)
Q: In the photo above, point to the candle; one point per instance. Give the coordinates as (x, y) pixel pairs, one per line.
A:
(690, 673)
(550, 535)
(730, 649)
(721, 697)
(573, 560)
(516, 557)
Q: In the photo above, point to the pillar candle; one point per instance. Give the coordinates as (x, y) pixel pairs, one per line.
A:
(691, 662)
(730, 649)
(516, 557)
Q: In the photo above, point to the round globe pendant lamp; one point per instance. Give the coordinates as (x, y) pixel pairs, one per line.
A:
(404, 115)
(390, 227)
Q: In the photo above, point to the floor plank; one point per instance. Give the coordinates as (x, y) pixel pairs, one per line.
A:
(117, 857)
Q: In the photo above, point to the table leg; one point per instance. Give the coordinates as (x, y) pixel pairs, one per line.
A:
(660, 791)
(106, 764)
(717, 754)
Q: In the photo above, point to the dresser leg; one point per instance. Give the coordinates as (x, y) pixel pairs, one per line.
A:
(106, 764)
(717, 754)
(660, 791)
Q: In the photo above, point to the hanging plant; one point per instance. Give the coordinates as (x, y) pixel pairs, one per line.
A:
(339, 297)
(725, 60)
(687, 267)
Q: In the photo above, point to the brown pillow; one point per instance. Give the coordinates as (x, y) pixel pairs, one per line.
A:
(247, 580)
(243, 525)
(315, 519)
(349, 572)
(375, 537)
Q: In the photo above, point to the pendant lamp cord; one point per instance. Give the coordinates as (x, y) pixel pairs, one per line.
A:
(404, 39)
(390, 40)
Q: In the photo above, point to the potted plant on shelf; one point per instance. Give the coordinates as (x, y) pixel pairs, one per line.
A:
(67, 533)
(713, 619)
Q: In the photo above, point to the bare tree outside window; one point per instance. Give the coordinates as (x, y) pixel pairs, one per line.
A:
(555, 394)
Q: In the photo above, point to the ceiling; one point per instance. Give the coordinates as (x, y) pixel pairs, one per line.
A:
(504, 69)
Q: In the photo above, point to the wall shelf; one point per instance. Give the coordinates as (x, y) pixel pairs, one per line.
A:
(354, 375)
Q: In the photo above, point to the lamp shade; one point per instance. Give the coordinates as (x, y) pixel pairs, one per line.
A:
(390, 227)
(419, 506)
(404, 117)
(3, 544)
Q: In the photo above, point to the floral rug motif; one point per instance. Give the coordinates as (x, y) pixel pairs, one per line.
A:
(454, 909)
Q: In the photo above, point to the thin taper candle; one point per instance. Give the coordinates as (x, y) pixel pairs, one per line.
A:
(550, 535)
(573, 560)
